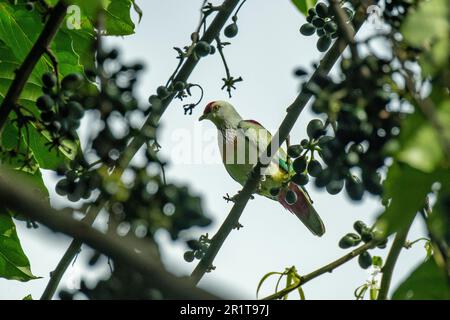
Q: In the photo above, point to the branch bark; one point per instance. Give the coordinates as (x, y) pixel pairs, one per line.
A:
(182, 75)
(16, 195)
(39, 48)
(293, 112)
(391, 260)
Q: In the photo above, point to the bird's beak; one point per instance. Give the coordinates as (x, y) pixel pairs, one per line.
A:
(202, 117)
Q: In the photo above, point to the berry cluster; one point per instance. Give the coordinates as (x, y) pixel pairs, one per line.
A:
(304, 162)
(364, 234)
(78, 182)
(232, 29)
(395, 11)
(321, 20)
(365, 126)
(197, 248)
(60, 111)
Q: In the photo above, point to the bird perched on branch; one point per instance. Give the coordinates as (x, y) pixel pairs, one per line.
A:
(241, 142)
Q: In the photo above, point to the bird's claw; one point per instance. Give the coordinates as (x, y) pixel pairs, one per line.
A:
(238, 226)
(227, 197)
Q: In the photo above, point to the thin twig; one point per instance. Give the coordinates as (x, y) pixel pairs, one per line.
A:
(345, 29)
(388, 268)
(325, 269)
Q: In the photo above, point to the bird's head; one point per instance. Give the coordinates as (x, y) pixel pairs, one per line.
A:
(221, 113)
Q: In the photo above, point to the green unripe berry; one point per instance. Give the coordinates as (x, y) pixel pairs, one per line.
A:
(324, 140)
(323, 178)
(72, 81)
(62, 187)
(304, 143)
(75, 110)
(318, 22)
(315, 129)
(300, 179)
(294, 151)
(49, 80)
(351, 158)
(162, 92)
(356, 238)
(335, 186)
(45, 103)
(365, 260)
(290, 197)
(366, 235)
(359, 226)
(322, 10)
(357, 147)
(323, 43)
(354, 188)
(231, 30)
(307, 29)
(314, 168)
(300, 164)
(346, 242)
(193, 244)
(202, 49)
(188, 256)
(179, 85)
(330, 27)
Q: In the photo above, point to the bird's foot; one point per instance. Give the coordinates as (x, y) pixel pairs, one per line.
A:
(238, 226)
(227, 197)
(210, 268)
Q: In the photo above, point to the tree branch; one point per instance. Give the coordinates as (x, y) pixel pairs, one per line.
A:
(327, 268)
(39, 48)
(182, 75)
(17, 196)
(388, 268)
(293, 112)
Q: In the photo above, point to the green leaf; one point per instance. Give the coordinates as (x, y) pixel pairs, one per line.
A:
(406, 201)
(304, 5)
(377, 261)
(426, 282)
(14, 264)
(429, 28)
(264, 278)
(28, 297)
(420, 143)
(19, 30)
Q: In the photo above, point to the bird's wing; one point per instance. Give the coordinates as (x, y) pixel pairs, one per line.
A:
(255, 132)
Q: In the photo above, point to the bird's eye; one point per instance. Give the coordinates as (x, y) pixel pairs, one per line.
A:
(215, 108)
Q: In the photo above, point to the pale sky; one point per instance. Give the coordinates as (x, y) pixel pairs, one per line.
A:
(265, 52)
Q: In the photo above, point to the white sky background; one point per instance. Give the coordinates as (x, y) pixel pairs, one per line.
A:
(265, 52)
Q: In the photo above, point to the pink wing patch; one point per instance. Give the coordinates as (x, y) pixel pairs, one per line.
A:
(254, 122)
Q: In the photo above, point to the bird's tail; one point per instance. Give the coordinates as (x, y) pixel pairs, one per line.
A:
(303, 209)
